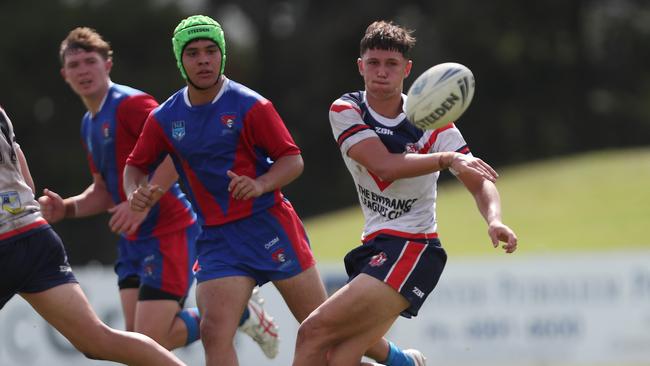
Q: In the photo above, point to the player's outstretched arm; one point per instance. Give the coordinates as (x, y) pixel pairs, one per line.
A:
(488, 202)
(95, 199)
(374, 155)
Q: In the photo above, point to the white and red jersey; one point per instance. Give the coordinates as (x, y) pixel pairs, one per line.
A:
(19, 212)
(404, 207)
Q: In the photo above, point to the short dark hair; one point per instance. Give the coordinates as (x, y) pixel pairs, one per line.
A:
(385, 35)
(86, 39)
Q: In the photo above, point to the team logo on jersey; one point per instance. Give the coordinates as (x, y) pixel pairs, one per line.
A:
(378, 260)
(411, 148)
(11, 202)
(228, 120)
(178, 130)
(106, 130)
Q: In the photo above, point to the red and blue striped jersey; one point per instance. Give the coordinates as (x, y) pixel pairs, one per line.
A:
(239, 131)
(109, 137)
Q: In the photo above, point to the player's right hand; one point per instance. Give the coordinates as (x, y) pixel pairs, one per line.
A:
(144, 197)
(52, 206)
(462, 163)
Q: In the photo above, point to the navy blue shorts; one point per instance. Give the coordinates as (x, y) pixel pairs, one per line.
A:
(411, 267)
(33, 263)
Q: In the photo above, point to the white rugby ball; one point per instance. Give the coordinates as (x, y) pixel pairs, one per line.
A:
(440, 95)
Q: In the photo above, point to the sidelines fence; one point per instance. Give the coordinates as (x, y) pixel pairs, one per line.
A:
(587, 309)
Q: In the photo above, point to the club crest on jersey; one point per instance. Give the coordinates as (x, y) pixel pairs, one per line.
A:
(228, 120)
(411, 148)
(106, 130)
(178, 130)
(11, 202)
(378, 260)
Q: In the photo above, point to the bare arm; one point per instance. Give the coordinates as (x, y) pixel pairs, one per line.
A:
(24, 169)
(488, 202)
(282, 172)
(372, 154)
(95, 199)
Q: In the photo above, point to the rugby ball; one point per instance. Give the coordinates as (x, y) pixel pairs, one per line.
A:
(440, 95)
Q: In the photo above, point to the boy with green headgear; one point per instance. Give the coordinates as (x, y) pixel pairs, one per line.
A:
(233, 153)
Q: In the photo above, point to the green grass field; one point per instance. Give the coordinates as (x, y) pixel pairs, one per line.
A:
(596, 201)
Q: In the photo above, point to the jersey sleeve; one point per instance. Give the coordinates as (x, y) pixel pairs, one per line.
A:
(449, 138)
(347, 124)
(151, 147)
(133, 112)
(267, 130)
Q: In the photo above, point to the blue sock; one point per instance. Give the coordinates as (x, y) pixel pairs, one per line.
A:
(244, 316)
(396, 357)
(191, 318)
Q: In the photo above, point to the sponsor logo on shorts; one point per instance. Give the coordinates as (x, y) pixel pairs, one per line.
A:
(378, 260)
(65, 269)
(419, 293)
(270, 244)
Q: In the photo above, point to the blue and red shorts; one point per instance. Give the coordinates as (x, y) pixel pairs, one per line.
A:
(268, 246)
(410, 266)
(160, 266)
(33, 262)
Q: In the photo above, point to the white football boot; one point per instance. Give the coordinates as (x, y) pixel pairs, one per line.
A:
(260, 326)
(417, 357)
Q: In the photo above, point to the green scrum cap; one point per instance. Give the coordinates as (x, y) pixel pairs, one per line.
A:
(197, 27)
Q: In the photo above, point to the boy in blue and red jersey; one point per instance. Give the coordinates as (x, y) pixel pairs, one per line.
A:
(156, 247)
(233, 153)
(34, 264)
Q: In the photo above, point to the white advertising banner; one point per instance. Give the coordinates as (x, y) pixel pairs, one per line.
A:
(580, 309)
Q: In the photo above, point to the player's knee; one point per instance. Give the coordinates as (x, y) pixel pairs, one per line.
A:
(214, 331)
(314, 331)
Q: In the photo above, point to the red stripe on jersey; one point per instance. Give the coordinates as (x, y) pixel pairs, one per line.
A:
(351, 131)
(338, 108)
(433, 138)
(404, 265)
(399, 234)
(293, 227)
(464, 150)
(23, 229)
(203, 198)
(380, 183)
(173, 215)
(89, 157)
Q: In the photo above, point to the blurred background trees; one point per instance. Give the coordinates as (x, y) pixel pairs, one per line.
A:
(553, 78)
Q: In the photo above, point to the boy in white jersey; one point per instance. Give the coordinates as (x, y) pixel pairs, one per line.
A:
(33, 263)
(395, 167)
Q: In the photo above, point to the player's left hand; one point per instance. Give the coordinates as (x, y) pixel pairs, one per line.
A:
(499, 232)
(242, 187)
(124, 220)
